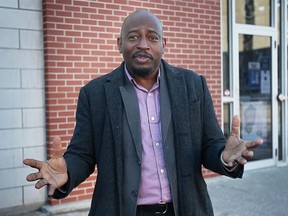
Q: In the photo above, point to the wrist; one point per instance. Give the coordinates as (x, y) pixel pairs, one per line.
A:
(226, 166)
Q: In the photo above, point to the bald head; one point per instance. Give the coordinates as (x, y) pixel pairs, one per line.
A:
(142, 44)
(140, 16)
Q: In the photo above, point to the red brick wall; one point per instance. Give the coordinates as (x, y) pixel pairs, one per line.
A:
(80, 44)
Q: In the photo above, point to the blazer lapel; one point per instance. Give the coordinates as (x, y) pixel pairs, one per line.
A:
(115, 110)
(165, 106)
(179, 100)
(132, 112)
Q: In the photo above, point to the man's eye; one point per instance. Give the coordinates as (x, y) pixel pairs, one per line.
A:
(133, 37)
(153, 38)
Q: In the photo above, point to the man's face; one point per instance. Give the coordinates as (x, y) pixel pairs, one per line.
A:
(141, 43)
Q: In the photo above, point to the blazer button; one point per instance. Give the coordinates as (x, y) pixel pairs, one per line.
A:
(134, 193)
(139, 162)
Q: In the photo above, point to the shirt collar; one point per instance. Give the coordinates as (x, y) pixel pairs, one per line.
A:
(134, 82)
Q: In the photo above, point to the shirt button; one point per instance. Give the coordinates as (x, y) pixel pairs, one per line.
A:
(152, 118)
(157, 144)
(162, 170)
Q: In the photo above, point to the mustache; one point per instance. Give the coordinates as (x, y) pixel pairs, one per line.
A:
(142, 54)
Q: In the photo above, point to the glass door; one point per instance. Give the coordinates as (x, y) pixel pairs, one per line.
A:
(255, 91)
(255, 78)
(255, 75)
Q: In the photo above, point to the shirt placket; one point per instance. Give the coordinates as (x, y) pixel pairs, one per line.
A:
(156, 136)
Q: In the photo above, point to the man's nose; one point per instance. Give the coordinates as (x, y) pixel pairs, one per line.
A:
(143, 44)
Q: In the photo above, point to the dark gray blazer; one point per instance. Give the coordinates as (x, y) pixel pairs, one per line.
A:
(98, 140)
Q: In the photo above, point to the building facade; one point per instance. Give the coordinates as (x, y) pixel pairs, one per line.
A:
(254, 75)
(51, 48)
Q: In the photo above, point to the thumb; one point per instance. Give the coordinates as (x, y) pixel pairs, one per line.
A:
(235, 130)
(57, 147)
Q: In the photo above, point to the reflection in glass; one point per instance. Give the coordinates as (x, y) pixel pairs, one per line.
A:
(253, 12)
(255, 91)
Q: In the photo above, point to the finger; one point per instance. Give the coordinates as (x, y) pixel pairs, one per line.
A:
(34, 176)
(236, 126)
(41, 183)
(57, 147)
(242, 161)
(253, 144)
(247, 154)
(51, 190)
(33, 163)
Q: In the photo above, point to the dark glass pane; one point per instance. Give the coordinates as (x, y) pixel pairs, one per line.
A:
(253, 12)
(225, 48)
(255, 91)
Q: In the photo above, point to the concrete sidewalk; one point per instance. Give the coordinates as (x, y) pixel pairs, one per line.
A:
(262, 192)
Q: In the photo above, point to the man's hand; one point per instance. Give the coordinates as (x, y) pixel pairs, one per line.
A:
(52, 172)
(237, 150)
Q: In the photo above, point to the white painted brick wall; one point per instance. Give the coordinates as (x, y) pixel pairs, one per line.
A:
(22, 103)
(31, 117)
(27, 43)
(30, 4)
(30, 193)
(10, 118)
(11, 158)
(18, 138)
(32, 79)
(21, 98)
(8, 198)
(25, 59)
(20, 19)
(9, 38)
(9, 3)
(10, 78)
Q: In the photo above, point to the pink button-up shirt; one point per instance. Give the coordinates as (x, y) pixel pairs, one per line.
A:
(154, 184)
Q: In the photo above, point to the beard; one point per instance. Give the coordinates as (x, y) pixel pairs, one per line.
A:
(142, 72)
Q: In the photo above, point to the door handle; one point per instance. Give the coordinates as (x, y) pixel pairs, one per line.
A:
(282, 97)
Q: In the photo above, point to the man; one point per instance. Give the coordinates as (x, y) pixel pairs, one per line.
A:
(149, 127)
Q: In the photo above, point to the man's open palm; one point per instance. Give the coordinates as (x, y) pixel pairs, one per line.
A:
(237, 150)
(52, 172)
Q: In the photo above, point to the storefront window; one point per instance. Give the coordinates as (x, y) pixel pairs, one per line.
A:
(255, 91)
(253, 12)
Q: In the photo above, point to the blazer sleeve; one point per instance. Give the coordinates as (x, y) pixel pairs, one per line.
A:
(213, 139)
(80, 157)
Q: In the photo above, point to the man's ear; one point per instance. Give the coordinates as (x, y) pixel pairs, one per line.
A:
(164, 44)
(119, 44)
